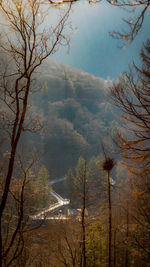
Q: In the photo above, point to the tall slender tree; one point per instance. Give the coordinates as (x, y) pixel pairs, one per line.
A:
(108, 165)
(24, 45)
(81, 184)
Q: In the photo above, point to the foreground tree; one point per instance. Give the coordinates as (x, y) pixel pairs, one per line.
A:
(131, 95)
(24, 45)
(108, 165)
(81, 185)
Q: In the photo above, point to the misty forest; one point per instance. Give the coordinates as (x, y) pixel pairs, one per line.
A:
(74, 133)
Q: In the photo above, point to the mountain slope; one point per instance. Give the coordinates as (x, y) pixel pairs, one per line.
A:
(77, 115)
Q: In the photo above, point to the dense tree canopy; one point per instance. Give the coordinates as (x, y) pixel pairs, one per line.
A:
(77, 113)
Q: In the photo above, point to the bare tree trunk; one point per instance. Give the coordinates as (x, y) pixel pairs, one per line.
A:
(16, 133)
(127, 234)
(115, 233)
(83, 219)
(5, 196)
(108, 165)
(0, 246)
(109, 220)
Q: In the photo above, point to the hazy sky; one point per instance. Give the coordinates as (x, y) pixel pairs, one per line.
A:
(92, 48)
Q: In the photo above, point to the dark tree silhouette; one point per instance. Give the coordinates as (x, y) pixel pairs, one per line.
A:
(108, 165)
(24, 45)
(131, 95)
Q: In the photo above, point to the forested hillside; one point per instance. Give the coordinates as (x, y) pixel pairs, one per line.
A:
(76, 116)
(89, 137)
